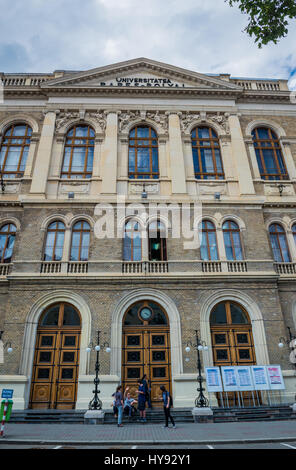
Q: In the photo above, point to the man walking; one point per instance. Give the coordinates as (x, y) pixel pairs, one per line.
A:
(167, 403)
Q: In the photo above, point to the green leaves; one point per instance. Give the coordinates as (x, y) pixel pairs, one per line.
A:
(268, 19)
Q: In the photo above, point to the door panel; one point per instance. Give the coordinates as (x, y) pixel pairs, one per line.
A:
(55, 370)
(233, 346)
(146, 351)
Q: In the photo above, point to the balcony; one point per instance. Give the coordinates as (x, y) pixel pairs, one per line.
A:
(169, 269)
(285, 268)
(5, 269)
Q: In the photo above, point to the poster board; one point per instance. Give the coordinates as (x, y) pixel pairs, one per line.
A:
(229, 379)
(275, 377)
(260, 378)
(244, 378)
(213, 379)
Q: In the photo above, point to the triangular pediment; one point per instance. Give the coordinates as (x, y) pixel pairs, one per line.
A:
(140, 73)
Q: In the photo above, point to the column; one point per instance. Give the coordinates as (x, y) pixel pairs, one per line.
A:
(176, 156)
(31, 154)
(109, 155)
(221, 249)
(253, 157)
(66, 250)
(42, 162)
(240, 156)
(289, 161)
(292, 245)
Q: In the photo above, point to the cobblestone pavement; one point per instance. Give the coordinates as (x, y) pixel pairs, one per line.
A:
(151, 433)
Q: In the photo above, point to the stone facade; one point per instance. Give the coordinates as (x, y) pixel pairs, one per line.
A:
(188, 289)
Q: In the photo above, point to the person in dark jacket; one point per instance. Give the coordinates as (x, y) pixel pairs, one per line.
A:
(167, 407)
(142, 401)
(119, 404)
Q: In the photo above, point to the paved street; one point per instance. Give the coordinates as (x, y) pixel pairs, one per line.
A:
(227, 435)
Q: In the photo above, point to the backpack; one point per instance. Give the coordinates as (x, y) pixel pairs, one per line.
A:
(171, 400)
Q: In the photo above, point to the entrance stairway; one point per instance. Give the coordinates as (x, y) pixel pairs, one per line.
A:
(181, 415)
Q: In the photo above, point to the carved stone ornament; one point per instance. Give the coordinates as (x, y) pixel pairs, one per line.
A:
(161, 119)
(125, 118)
(137, 188)
(187, 119)
(99, 117)
(64, 118)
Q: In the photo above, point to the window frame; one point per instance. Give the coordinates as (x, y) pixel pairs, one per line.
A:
(7, 235)
(9, 136)
(81, 230)
(196, 144)
(56, 230)
(275, 147)
(279, 248)
(70, 174)
(132, 231)
(206, 230)
(231, 231)
(143, 175)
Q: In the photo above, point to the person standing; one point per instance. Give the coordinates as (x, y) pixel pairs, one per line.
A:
(167, 403)
(119, 404)
(142, 402)
(146, 390)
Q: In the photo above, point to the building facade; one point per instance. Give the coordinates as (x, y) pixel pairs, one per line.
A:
(79, 148)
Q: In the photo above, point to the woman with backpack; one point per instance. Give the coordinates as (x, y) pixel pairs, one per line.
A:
(167, 403)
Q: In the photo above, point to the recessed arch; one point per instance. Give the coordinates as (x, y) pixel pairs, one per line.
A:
(206, 123)
(279, 131)
(29, 339)
(255, 316)
(19, 118)
(174, 320)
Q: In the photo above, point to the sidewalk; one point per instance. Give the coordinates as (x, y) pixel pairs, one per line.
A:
(189, 433)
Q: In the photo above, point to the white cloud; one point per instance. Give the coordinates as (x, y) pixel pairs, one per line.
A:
(71, 34)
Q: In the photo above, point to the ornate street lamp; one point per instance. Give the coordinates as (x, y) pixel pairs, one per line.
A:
(201, 401)
(96, 403)
(292, 345)
(3, 346)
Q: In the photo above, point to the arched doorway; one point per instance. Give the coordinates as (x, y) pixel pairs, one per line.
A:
(232, 339)
(146, 348)
(56, 358)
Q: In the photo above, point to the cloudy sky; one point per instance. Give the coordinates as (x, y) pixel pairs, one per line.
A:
(202, 35)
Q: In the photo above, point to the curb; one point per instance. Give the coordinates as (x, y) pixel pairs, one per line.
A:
(150, 442)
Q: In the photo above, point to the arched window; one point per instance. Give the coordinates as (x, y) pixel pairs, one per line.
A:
(208, 241)
(80, 241)
(143, 153)
(231, 332)
(14, 150)
(53, 250)
(79, 152)
(279, 243)
(157, 241)
(206, 154)
(7, 238)
(232, 241)
(132, 242)
(294, 232)
(269, 154)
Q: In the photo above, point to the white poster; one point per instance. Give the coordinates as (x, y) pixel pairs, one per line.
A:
(275, 377)
(244, 378)
(229, 379)
(260, 378)
(213, 378)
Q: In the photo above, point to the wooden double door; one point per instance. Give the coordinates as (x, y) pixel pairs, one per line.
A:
(56, 359)
(146, 350)
(233, 346)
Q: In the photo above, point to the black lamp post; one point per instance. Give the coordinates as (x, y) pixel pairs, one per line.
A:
(292, 345)
(201, 401)
(96, 403)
